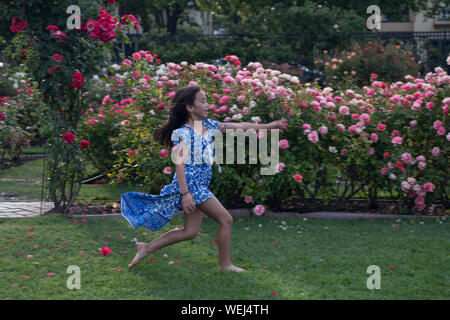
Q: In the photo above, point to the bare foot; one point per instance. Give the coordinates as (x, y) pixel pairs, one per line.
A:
(142, 252)
(231, 268)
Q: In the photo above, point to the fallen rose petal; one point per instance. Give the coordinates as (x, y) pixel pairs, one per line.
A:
(25, 276)
(50, 274)
(178, 261)
(105, 251)
(274, 293)
(14, 284)
(154, 260)
(392, 267)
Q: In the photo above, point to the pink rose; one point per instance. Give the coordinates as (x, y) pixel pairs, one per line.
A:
(258, 210)
(421, 158)
(136, 56)
(248, 199)
(429, 187)
(164, 153)
(283, 144)
(280, 166)
(167, 170)
(374, 137)
(323, 130)
(224, 100)
(297, 177)
(441, 131)
(397, 140)
(436, 151)
(406, 157)
(313, 136)
(437, 124)
(344, 110)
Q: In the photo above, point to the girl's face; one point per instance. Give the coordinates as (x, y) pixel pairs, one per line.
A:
(200, 109)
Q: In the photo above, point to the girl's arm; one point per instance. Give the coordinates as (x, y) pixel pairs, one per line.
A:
(279, 124)
(188, 199)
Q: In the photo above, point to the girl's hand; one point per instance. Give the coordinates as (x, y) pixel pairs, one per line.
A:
(188, 203)
(279, 124)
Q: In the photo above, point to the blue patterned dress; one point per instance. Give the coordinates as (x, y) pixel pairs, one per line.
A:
(155, 211)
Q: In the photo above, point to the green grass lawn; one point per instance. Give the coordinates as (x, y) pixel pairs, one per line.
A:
(31, 188)
(295, 258)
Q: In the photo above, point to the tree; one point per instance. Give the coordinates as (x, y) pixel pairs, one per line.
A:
(175, 11)
(60, 59)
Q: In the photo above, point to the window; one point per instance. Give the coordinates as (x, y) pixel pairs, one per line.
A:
(401, 15)
(444, 12)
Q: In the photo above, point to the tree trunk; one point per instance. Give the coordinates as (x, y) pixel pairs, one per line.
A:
(172, 19)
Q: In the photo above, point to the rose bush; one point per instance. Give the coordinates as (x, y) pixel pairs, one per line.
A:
(377, 137)
(351, 67)
(60, 59)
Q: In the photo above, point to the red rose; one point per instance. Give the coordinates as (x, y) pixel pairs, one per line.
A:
(68, 137)
(84, 144)
(77, 84)
(18, 25)
(106, 251)
(52, 28)
(58, 57)
(77, 76)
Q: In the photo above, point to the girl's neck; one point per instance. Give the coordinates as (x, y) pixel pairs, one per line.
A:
(191, 121)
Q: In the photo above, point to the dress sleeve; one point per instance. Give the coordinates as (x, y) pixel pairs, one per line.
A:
(178, 134)
(215, 124)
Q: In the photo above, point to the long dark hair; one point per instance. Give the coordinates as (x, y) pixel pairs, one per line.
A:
(178, 115)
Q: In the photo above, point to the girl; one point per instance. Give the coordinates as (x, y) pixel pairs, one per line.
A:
(189, 187)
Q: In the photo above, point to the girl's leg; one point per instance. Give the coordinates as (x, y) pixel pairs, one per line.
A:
(192, 222)
(214, 209)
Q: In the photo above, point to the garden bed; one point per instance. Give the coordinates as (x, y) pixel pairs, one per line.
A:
(386, 206)
(23, 158)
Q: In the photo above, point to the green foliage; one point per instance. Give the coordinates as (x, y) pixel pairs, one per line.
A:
(354, 65)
